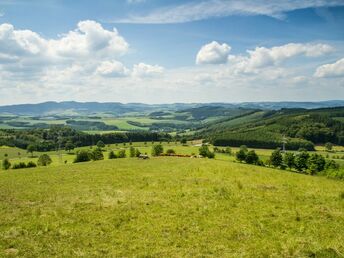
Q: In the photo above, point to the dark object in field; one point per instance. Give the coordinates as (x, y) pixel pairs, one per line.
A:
(142, 156)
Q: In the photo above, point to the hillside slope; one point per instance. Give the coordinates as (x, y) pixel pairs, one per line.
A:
(169, 207)
(266, 129)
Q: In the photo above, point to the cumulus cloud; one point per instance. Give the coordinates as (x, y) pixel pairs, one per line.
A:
(146, 70)
(89, 41)
(331, 70)
(112, 69)
(200, 10)
(261, 56)
(213, 53)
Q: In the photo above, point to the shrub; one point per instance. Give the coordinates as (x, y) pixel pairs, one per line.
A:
(112, 155)
(100, 144)
(137, 153)
(44, 160)
(19, 165)
(82, 156)
(6, 164)
(316, 163)
(170, 151)
(31, 164)
(121, 154)
(157, 150)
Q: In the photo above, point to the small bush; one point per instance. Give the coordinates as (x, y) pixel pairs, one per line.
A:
(170, 151)
(157, 150)
(121, 154)
(97, 154)
(31, 164)
(19, 165)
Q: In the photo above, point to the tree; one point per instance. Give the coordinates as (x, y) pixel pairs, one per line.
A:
(44, 160)
(121, 154)
(316, 163)
(97, 154)
(30, 149)
(100, 144)
(137, 153)
(132, 152)
(240, 155)
(205, 152)
(276, 158)
(301, 159)
(157, 150)
(289, 159)
(244, 148)
(228, 151)
(6, 164)
(183, 141)
(328, 146)
(251, 157)
(69, 146)
(112, 155)
(82, 156)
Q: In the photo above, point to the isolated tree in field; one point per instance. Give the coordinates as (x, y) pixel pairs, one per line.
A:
(241, 155)
(100, 144)
(157, 150)
(289, 159)
(251, 157)
(112, 155)
(69, 146)
(205, 152)
(82, 156)
(6, 164)
(276, 158)
(30, 149)
(328, 146)
(132, 152)
(44, 160)
(121, 154)
(301, 159)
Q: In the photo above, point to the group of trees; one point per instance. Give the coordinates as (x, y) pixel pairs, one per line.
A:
(301, 161)
(58, 137)
(250, 157)
(43, 160)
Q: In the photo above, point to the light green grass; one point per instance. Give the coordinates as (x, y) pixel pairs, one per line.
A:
(169, 207)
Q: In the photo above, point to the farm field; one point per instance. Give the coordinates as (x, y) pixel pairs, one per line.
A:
(171, 207)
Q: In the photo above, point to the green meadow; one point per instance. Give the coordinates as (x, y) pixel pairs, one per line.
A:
(170, 207)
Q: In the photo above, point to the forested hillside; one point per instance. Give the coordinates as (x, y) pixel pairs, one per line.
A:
(266, 129)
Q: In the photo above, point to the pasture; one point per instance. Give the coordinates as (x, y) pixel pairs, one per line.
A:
(171, 207)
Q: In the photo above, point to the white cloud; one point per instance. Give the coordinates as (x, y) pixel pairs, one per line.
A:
(213, 53)
(112, 69)
(135, 1)
(200, 10)
(146, 70)
(331, 70)
(262, 57)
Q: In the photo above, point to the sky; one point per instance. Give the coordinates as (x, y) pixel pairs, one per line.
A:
(164, 51)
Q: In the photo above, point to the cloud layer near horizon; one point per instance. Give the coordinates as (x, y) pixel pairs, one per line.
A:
(89, 63)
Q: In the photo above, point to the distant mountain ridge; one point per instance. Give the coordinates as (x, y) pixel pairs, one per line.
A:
(117, 108)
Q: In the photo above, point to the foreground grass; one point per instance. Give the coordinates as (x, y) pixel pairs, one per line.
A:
(171, 207)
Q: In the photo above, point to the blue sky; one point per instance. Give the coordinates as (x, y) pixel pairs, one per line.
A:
(171, 51)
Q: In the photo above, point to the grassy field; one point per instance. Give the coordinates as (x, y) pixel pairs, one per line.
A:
(170, 207)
